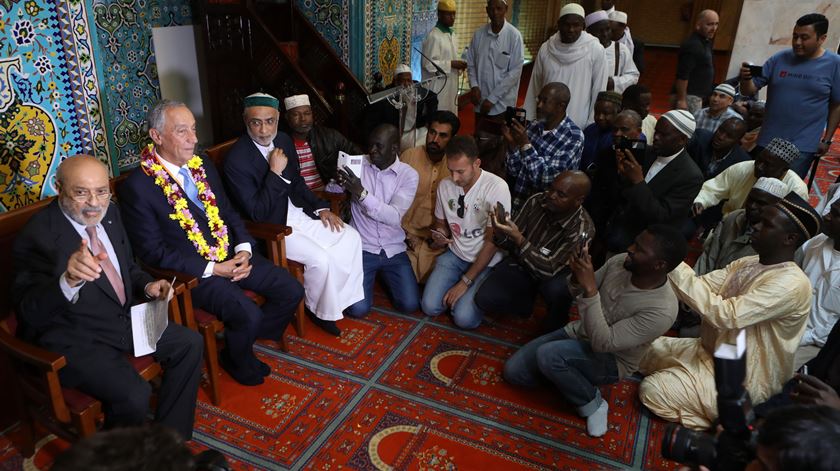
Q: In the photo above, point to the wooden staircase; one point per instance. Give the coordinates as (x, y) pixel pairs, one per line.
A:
(269, 46)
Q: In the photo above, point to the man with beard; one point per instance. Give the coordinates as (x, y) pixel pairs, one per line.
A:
(621, 69)
(540, 239)
(179, 218)
(733, 184)
(314, 143)
(624, 306)
(429, 163)
(267, 179)
(573, 57)
(731, 238)
(381, 195)
(73, 289)
(598, 136)
(658, 188)
(548, 146)
(462, 224)
(765, 296)
(494, 63)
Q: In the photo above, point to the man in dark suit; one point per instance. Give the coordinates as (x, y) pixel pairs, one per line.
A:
(74, 286)
(661, 188)
(195, 230)
(265, 177)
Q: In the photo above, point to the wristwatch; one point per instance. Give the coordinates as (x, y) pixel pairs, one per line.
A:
(363, 195)
(466, 280)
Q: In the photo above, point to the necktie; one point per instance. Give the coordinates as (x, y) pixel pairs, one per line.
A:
(107, 267)
(190, 189)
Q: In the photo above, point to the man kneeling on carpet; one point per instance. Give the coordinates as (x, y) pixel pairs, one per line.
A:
(623, 307)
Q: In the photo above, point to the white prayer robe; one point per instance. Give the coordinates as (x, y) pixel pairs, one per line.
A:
(628, 73)
(581, 65)
(333, 277)
(442, 49)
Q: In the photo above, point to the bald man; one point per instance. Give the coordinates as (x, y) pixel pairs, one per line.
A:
(546, 147)
(539, 240)
(75, 283)
(695, 67)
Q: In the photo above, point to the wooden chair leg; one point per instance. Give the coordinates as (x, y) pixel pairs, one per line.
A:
(27, 434)
(300, 315)
(86, 421)
(211, 356)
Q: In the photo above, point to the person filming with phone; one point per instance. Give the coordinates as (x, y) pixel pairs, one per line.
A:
(624, 306)
(539, 241)
(541, 150)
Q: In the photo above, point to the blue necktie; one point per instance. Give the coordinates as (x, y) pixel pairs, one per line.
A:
(190, 189)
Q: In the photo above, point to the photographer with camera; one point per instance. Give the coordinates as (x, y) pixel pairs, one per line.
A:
(623, 306)
(541, 150)
(766, 295)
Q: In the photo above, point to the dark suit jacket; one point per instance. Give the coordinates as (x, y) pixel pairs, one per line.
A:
(40, 255)
(260, 193)
(325, 143)
(665, 199)
(700, 150)
(158, 240)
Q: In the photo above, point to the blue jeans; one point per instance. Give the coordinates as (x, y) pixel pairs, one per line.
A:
(803, 164)
(398, 278)
(448, 271)
(569, 364)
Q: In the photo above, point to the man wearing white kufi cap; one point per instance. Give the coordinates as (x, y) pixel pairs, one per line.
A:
(441, 48)
(731, 238)
(263, 173)
(658, 187)
(315, 144)
(620, 30)
(621, 69)
(573, 57)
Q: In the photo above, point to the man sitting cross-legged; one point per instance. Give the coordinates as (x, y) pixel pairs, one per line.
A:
(540, 239)
(267, 181)
(766, 295)
(73, 289)
(623, 306)
(381, 196)
(462, 222)
(179, 218)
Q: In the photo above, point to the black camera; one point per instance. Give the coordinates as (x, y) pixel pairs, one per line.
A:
(734, 447)
(637, 146)
(518, 114)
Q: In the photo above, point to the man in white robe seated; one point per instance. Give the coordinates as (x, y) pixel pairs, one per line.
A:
(263, 176)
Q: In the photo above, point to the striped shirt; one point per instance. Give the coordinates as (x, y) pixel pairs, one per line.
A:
(704, 120)
(549, 241)
(308, 170)
(552, 152)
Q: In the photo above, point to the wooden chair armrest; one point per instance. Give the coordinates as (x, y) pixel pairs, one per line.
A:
(43, 360)
(162, 273)
(267, 231)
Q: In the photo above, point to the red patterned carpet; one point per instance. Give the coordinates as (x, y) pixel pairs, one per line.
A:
(409, 392)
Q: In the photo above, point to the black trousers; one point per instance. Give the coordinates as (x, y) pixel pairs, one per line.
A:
(244, 320)
(104, 372)
(510, 289)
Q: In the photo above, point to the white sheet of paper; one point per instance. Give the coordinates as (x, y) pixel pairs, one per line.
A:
(353, 162)
(148, 321)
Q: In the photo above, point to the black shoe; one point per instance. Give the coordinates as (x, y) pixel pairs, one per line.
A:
(329, 327)
(262, 367)
(245, 377)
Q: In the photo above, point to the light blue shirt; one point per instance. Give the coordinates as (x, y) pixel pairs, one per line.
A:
(494, 65)
(71, 293)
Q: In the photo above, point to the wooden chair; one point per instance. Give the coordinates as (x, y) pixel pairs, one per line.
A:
(66, 412)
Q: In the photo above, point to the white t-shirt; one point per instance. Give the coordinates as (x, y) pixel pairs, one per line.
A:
(468, 231)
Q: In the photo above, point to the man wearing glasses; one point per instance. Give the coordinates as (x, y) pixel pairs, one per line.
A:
(462, 223)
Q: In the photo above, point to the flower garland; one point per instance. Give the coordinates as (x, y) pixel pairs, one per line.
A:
(176, 198)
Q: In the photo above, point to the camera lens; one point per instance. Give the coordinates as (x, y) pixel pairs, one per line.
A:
(688, 447)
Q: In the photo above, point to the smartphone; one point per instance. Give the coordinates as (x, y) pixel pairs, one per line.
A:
(501, 216)
(756, 70)
(803, 370)
(517, 114)
(582, 243)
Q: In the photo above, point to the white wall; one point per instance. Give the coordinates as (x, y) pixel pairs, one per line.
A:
(180, 78)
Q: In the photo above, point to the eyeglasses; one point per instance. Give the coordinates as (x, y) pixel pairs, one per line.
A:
(255, 123)
(82, 194)
(461, 208)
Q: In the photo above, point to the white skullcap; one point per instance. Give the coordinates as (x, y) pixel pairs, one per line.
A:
(682, 120)
(593, 18)
(726, 89)
(572, 9)
(774, 186)
(402, 69)
(618, 17)
(296, 100)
